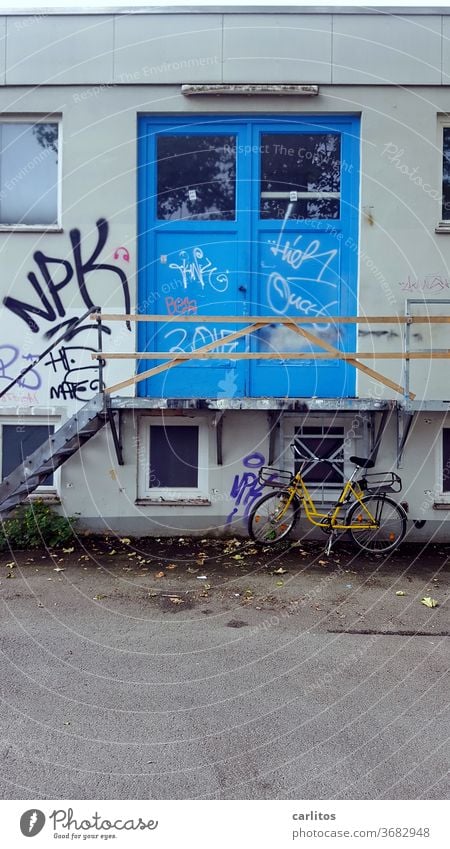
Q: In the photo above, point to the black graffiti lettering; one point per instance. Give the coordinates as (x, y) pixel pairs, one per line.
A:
(51, 304)
(43, 262)
(23, 310)
(83, 268)
(75, 382)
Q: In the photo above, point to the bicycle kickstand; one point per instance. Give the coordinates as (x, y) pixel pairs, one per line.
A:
(330, 542)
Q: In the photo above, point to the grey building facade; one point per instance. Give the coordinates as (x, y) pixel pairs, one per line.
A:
(207, 168)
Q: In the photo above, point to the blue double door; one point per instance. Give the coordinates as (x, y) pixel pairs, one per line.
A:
(241, 217)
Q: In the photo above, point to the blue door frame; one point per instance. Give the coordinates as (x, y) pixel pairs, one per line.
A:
(248, 265)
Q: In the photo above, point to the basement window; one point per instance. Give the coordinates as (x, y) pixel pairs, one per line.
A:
(18, 441)
(445, 460)
(326, 442)
(176, 461)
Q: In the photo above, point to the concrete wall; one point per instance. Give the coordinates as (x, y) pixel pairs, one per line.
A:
(350, 49)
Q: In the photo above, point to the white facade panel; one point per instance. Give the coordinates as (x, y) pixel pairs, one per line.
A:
(165, 49)
(57, 49)
(2, 50)
(277, 48)
(380, 50)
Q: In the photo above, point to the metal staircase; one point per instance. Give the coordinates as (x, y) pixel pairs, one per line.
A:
(68, 439)
(65, 442)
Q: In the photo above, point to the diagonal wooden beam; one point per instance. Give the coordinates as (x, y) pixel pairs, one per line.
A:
(231, 337)
(369, 371)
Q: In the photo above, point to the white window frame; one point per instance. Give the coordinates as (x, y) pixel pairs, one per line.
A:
(444, 497)
(29, 421)
(357, 443)
(443, 225)
(41, 118)
(163, 495)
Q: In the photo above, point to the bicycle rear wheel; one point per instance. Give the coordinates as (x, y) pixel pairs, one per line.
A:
(270, 521)
(390, 519)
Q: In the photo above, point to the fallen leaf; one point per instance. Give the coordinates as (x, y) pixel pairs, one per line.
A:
(192, 571)
(112, 552)
(429, 602)
(237, 557)
(400, 592)
(202, 577)
(98, 597)
(125, 541)
(323, 562)
(171, 566)
(280, 583)
(160, 575)
(280, 571)
(59, 569)
(68, 550)
(11, 565)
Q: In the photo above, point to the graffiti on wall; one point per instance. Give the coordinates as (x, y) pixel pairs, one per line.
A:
(246, 489)
(12, 361)
(427, 283)
(52, 282)
(194, 267)
(44, 310)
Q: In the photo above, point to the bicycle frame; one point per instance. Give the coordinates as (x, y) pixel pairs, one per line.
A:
(330, 520)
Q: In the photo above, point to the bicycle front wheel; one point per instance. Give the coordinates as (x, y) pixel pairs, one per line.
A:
(271, 520)
(390, 520)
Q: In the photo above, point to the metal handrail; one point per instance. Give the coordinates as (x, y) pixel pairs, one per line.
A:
(65, 337)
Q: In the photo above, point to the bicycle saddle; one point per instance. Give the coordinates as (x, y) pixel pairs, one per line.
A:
(362, 462)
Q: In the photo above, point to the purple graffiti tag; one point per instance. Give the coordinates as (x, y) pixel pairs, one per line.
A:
(9, 357)
(246, 488)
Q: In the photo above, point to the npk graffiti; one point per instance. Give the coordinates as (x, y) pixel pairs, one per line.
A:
(195, 267)
(246, 488)
(54, 275)
(10, 358)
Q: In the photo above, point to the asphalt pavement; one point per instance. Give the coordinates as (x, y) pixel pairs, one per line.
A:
(196, 669)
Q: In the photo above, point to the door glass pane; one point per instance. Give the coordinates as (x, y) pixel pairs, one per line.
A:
(173, 456)
(300, 175)
(196, 177)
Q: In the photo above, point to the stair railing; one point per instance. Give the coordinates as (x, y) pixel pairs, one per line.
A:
(66, 336)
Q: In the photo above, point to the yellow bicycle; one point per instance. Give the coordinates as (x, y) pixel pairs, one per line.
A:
(375, 522)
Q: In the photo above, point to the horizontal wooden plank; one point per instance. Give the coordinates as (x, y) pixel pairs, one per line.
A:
(276, 319)
(285, 355)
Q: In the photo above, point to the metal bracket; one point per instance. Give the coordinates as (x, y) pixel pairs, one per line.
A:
(274, 417)
(404, 422)
(115, 423)
(218, 424)
(385, 418)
